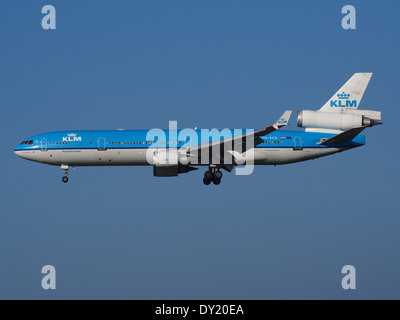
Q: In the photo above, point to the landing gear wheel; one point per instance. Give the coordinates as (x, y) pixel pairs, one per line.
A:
(216, 181)
(212, 175)
(218, 175)
(208, 175)
(65, 168)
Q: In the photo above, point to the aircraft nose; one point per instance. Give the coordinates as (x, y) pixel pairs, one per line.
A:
(17, 152)
(20, 152)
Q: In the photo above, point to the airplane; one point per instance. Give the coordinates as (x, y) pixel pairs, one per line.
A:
(334, 128)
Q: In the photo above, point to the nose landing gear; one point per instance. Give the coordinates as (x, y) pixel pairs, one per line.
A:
(65, 178)
(212, 175)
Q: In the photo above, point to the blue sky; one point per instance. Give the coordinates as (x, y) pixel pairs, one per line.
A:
(120, 233)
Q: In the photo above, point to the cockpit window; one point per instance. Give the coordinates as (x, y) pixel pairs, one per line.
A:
(27, 142)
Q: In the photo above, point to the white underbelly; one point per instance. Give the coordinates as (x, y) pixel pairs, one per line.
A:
(276, 156)
(137, 157)
(93, 157)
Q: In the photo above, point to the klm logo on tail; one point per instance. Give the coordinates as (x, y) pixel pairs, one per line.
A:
(343, 101)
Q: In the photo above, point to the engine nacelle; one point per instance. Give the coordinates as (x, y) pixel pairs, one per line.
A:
(165, 171)
(332, 120)
(165, 163)
(165, 158)
(170, 163)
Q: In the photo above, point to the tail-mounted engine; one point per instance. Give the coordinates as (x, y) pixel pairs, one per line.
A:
(343, 121)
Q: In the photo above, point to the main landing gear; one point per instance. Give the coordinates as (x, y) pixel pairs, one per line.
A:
(212, 175)
(65, 178)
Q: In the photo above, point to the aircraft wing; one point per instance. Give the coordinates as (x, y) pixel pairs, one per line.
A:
(242, 142)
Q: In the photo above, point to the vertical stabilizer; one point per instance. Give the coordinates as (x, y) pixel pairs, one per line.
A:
(349, 96)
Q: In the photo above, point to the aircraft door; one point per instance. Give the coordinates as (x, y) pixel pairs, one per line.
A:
(43, 144)
(102, 144)
(297, 143)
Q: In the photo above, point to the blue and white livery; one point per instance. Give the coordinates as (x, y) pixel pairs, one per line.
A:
(336, 127)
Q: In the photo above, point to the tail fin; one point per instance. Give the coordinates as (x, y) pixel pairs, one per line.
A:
(349, 96)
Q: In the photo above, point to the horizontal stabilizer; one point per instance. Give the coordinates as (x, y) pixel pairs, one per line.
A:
(343, 137)
(373, 115)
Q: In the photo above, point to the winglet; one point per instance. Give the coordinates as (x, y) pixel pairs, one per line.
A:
(283, 120)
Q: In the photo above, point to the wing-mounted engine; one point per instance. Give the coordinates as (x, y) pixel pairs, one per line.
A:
(344, 120)
(165, 163)
(170, 163)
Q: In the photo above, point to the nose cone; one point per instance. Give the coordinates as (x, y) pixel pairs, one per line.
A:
(27, 154)
(26, 149)
(17, 150)
(24, 152)
(19, 153)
